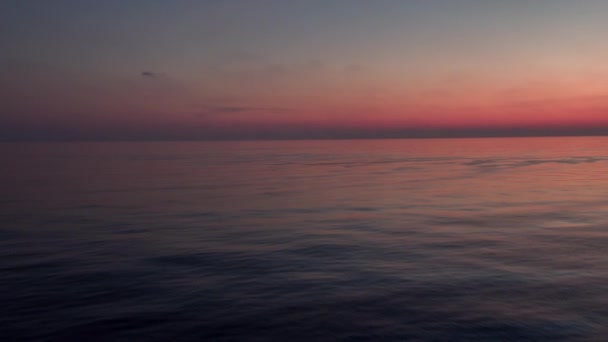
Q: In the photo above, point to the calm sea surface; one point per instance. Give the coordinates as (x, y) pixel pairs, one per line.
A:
(390, 240)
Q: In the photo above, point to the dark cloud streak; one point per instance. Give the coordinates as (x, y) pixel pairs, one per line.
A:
(150, 74)
(228, 109)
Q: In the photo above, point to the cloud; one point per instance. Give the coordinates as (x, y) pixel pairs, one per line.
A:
(150, 74)
(235, 109)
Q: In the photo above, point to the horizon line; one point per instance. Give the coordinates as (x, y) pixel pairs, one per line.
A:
(280, 138)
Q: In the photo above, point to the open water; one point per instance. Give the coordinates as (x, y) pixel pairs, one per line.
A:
(388, 240)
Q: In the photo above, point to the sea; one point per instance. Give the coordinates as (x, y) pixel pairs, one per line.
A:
(488, 239)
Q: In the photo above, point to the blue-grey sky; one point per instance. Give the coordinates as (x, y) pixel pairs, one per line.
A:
(208, 69)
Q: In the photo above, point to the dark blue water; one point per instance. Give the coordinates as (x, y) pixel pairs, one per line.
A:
(391, 240)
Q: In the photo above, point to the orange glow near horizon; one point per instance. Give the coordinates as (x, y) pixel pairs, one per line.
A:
(411, 66)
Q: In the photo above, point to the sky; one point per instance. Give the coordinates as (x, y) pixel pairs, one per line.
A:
(257, 69)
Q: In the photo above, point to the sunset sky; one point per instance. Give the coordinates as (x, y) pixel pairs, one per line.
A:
(215, 69)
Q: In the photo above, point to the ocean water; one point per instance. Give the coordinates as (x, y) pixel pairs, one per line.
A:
(387, 240)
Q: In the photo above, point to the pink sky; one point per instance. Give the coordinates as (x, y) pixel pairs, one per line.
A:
(230, 70)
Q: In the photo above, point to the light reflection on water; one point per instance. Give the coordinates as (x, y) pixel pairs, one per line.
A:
(464, 239)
